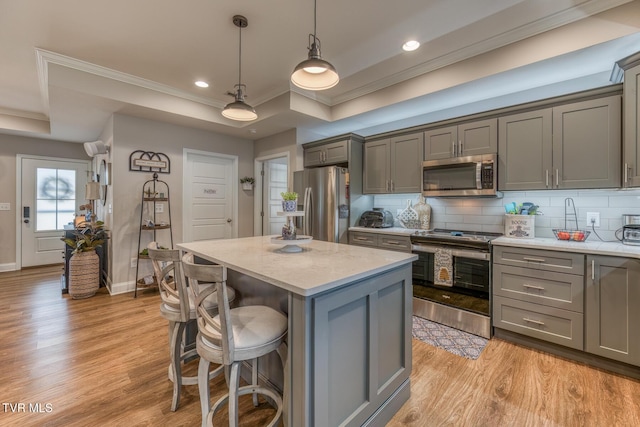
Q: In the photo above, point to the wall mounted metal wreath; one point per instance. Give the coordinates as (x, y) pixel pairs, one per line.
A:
(148, 161)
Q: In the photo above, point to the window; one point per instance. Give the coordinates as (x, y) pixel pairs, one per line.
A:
(55, 198)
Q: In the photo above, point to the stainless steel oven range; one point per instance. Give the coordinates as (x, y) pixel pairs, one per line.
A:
(464, 301)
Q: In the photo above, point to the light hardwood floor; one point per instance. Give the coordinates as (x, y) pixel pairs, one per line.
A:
(103, 362)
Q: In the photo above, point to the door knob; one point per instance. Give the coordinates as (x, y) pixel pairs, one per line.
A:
(26, 221)
(229, 219)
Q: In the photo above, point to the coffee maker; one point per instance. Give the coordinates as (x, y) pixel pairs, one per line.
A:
(631, 229)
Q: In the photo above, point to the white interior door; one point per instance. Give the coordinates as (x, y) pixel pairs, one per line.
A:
(210, 199)
(275, 182)
(51, 192)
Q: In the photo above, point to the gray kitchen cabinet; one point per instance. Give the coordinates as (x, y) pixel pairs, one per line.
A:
(631, 153)
(343, 150)
(612, 308)
(539, 293)
(467, 139)
(393, 165)
(587, 144)
(569, 146)
(327, 154)
(380, 240)
(525, 150)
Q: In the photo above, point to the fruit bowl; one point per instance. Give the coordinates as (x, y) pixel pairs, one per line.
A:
(574, 235)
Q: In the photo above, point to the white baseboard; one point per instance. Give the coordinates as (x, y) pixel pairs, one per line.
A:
(8, 267)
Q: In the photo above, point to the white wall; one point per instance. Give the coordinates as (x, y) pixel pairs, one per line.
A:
(488, 214)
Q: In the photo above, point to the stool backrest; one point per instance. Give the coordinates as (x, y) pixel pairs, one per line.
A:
(167, 265)
(218, 332)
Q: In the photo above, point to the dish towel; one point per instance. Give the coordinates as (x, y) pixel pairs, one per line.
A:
(443, 267)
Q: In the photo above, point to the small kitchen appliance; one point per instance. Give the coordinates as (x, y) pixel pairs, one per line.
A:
(631, 234)
(376, 218)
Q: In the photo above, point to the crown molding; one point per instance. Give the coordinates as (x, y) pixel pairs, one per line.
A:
(45, 57)
(573, 14)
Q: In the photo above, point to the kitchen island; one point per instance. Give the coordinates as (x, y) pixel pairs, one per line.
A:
(349, 316)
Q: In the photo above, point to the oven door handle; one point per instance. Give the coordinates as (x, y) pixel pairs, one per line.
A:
(455, 252)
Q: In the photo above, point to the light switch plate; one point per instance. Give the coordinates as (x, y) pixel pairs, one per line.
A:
(5, 206)
(159, 207)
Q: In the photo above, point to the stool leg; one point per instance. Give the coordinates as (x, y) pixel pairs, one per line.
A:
(176, 362)
(254, 379)
(233, 394)
(204, 388)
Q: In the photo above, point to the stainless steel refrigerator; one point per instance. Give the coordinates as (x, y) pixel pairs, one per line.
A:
(330, 202)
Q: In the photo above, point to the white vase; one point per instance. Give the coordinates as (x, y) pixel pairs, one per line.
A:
(424, 213)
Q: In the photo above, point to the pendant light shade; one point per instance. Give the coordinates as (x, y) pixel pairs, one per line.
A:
(314, 73)
(238, 109)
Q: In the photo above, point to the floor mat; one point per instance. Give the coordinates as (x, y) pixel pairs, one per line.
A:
(452, 340)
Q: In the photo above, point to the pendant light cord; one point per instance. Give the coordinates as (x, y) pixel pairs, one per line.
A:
(315, 17)
(240, 58)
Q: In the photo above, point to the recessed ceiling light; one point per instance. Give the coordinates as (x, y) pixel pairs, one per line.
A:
(411, 45)
(200, 83)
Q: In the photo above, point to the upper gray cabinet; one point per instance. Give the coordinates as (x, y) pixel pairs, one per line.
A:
(393, 165)
(631, 159)
(467, 139)
(326, 155)
(344, 150)
(575, 145)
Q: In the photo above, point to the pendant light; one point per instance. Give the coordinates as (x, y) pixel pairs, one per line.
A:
(238, 109)
(315, 73)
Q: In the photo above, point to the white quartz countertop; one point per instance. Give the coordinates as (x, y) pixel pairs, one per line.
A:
(395, 231)
(321, 266)
(594, 247)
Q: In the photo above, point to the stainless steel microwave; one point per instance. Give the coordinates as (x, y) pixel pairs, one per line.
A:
(471, 176)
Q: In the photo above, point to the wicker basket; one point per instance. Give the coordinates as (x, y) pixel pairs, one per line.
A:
(84, 274)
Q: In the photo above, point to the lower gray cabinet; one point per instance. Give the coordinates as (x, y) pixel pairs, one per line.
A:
(380, 240)
(612, 308)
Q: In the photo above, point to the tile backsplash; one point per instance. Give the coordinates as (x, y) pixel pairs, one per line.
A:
(487, 214)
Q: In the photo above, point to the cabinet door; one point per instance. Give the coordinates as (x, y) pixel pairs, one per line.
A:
(479, 137)
(611, 310)
(631, 172)
(525, 151)
(406, 163)
(376, 167)
(313, 156)
(336, 152)
(440, 143)
(587, 144)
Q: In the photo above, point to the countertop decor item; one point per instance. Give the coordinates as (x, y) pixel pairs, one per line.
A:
(289, 201)
(567, 233)
(408, 218)
(424, 213)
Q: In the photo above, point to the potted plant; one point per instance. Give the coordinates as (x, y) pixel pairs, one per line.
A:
(84, 265)
(289, 201)
(247, 182)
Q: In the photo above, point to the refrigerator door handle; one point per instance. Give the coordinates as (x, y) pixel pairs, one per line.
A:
(307, 212)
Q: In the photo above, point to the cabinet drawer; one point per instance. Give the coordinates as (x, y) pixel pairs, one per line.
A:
(550, 324)
(552, 289)
(363, 239)
(395, 243)
(561, 262)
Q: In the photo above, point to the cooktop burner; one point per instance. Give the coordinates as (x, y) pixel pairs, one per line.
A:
(446, 235)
